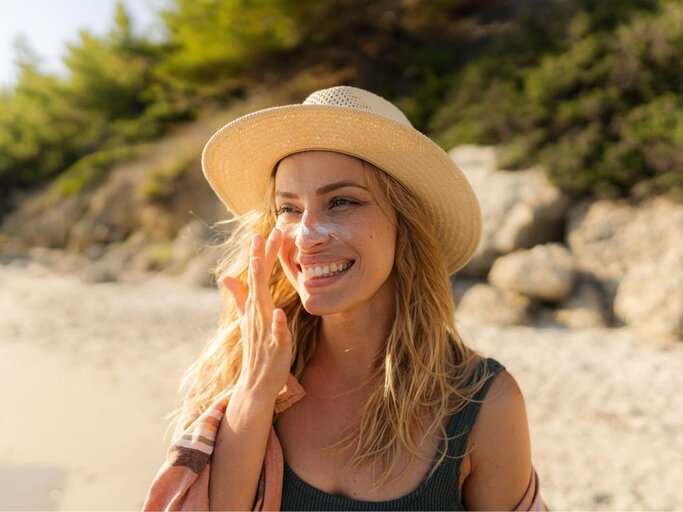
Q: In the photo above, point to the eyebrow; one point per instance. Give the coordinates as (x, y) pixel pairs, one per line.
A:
(326, 189)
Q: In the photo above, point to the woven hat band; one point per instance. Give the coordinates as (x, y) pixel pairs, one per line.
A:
(359, 99)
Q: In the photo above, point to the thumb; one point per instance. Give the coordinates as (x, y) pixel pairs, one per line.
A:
(237, 289)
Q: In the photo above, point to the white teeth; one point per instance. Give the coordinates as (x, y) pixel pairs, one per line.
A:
(326, 270)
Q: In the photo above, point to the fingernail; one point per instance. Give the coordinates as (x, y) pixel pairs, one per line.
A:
(256, 241)
(275, 234)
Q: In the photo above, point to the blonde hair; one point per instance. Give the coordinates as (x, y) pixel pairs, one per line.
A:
(425, 371)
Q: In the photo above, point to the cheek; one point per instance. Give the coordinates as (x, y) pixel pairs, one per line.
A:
(378, 243)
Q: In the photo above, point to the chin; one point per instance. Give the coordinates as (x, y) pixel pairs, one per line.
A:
(319, 306)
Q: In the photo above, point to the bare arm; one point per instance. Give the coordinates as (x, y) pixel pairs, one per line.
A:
(267, 348)
(501, 460)
(238, 453)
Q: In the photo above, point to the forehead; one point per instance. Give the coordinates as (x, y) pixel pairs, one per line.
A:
(312, 169)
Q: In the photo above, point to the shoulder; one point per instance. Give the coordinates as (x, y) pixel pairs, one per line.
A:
(501, 453)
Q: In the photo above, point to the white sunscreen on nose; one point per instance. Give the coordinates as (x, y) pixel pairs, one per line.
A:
(321, 230)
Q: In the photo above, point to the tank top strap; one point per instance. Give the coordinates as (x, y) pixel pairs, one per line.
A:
(461, 424)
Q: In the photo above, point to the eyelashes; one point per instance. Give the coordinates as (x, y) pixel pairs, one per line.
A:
(281, 210)
(337, 202)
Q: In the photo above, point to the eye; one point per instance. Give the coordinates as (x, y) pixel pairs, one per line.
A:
(285, 210)
(340, 201)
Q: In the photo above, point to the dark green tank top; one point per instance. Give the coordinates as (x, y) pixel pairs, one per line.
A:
(438, 492)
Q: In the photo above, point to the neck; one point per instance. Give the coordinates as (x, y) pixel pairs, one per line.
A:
(350, 341)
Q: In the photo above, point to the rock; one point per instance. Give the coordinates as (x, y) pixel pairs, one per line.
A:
(609, 238)
(95, 252)
(100, 273)
(460, 285)
(487, 304)
(195, 237)
(545, 272)
(41, 222)
(199, 271)
(474, 159)
(115, 261)
(650, 297)
(112, 215)
(520, 209)
(57, 260)
(160, 221)
(585, 308)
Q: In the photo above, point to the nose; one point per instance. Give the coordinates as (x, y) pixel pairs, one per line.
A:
(310, 232)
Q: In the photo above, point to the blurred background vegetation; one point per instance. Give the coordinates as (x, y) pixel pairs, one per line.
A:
(591, 90)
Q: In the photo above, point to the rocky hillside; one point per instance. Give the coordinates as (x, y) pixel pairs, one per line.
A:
(153, 213)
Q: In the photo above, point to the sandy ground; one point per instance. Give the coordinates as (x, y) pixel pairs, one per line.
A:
(88, 371)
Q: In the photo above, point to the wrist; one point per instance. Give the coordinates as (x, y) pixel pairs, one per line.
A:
(254, 395)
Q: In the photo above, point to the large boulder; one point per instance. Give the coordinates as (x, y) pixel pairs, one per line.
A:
(609, 238)
(521, 209)
(545, 272)
(192, 240)
(115, 261)
(199, 270)
(485, 303)
(195, 252)
(43, 222)
(584, 309)
(111, 216)
(650, 296)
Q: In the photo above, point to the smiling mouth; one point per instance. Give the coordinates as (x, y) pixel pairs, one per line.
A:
(326, 270)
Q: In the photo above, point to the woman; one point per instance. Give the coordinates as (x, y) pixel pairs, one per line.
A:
(350, 223)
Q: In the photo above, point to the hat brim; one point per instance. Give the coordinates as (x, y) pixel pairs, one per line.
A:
(238, 159)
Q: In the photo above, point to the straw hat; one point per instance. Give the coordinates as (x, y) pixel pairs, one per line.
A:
(239, 158)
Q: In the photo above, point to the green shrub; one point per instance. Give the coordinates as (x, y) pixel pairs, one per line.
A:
(90, 169)
(602, 111)
(160, 180)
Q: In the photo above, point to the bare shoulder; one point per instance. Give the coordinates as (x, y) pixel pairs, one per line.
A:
(501, 452)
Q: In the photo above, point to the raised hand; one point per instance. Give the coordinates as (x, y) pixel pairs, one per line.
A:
(266, 340)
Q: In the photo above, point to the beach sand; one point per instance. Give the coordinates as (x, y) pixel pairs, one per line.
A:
(88, 371)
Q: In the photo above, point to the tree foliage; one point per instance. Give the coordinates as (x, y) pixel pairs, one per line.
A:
(603, 111)
(590, 89)
(110, 98)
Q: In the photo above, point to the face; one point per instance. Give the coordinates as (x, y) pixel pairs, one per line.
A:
(338, 240)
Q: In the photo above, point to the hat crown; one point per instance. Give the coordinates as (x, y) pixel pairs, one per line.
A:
(351, 97)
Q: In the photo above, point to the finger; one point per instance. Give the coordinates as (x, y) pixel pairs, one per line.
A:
(256, 246)
(272, 247)
(254, 252)
(256, 259)
(280, 329)
(237, 290)
(263, 302)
